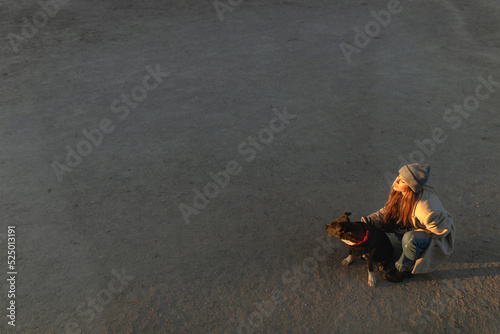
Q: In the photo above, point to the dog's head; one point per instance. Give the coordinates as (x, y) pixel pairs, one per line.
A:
(338, 226)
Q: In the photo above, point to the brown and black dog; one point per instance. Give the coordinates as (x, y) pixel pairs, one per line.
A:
(364, 241)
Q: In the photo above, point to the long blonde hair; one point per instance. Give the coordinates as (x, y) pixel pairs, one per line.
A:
(399, 207)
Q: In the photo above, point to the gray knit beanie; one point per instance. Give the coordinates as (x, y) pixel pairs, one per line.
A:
(415, 175)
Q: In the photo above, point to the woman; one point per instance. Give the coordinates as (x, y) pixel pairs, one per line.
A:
(420, 222)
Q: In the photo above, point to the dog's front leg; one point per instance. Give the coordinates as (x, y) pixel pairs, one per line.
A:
(371, 276)
(348, 260)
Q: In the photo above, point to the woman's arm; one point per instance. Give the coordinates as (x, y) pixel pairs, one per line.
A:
(375, 219)
(437, 223)
(432, 217)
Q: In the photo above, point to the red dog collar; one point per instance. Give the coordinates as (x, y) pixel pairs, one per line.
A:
(360, 242)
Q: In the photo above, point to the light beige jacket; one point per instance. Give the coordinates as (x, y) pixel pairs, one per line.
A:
(431, 217)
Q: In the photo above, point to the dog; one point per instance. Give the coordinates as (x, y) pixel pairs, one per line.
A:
(364, 240)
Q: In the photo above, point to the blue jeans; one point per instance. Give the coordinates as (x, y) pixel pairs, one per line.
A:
(413, 242)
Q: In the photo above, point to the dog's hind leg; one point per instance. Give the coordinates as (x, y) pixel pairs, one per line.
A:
(382, 266)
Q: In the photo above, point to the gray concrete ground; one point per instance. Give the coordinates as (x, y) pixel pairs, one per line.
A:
(168, 166)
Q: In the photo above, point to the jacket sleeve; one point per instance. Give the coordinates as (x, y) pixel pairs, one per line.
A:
(432, 216)
(375, 219)
(437, 223)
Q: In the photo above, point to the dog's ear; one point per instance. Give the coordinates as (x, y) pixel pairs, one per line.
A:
(346, 215)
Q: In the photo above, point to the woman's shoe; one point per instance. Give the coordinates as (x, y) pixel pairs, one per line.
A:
(396, 276)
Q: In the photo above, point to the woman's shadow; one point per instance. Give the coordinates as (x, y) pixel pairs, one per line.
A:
(467, 261)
